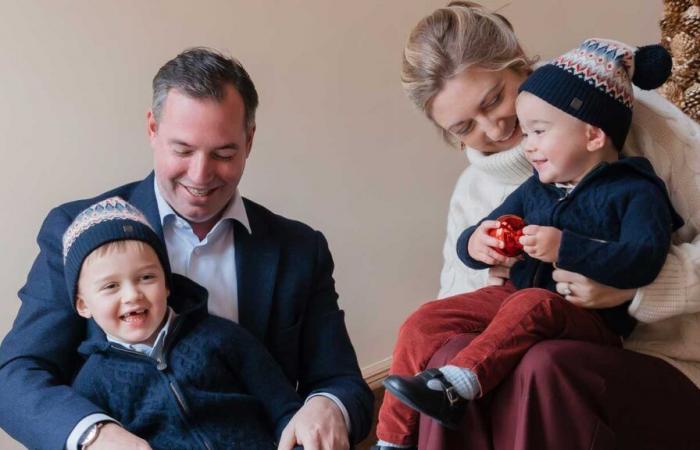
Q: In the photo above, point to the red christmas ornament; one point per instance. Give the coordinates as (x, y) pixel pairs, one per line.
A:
(509, 233)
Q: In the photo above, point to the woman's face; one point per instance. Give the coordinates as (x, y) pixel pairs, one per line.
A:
(478, 108)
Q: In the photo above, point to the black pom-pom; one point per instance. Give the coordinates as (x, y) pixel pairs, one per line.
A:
(652, 66)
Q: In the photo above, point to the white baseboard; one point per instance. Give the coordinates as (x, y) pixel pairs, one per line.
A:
(376, 372)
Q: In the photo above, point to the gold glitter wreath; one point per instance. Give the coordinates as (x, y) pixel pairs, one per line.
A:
(680, 34)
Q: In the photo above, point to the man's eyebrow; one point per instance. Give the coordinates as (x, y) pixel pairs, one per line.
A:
(481, 105)
(179, 142)
(230, 145)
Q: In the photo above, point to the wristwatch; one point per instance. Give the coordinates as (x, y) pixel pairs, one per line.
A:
(90, 435)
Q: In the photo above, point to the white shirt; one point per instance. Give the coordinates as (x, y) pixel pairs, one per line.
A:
(210, 262)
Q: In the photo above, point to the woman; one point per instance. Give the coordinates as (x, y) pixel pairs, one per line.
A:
(462, 67)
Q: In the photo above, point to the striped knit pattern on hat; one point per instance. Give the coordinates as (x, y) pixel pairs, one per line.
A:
(606, 65)
(112, 219)
(593, 83)
(113, 208)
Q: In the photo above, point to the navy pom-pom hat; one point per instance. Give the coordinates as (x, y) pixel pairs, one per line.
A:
(593, 82)
(110, 220)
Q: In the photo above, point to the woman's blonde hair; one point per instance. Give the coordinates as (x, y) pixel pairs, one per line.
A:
(452, 39)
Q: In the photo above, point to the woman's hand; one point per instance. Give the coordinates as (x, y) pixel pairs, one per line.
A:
(586, 293)
(498, 275)
(481, 245)
(541, 242)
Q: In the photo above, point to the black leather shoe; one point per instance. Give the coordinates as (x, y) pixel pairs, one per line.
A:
(444, 405)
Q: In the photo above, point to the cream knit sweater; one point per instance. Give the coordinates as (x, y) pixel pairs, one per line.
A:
(668, 309)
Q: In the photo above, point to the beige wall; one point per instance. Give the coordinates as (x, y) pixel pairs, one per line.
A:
(338, 146)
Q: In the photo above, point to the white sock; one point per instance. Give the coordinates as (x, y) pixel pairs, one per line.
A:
(464, 380)
(391, 444)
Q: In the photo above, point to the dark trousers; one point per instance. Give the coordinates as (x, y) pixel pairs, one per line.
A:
(575, 395)
(509, 323)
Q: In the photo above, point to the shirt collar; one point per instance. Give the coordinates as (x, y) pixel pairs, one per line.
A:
(157, 344)
(234, 210)
(568, 187)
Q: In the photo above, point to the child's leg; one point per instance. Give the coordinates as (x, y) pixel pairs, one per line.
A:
(425, 331)
(524, 319)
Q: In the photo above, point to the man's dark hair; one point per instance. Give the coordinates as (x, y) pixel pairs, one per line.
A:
(204, 73)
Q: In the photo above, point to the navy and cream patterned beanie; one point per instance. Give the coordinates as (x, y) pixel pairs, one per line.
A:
(112, 219)
(594, 82)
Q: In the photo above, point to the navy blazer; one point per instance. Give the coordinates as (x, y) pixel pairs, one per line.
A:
(286, 298)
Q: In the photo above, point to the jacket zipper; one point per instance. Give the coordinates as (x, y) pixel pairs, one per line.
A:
(161, 365)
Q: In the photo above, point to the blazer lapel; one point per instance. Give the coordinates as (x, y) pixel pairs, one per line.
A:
(144, 198)
(257, 257)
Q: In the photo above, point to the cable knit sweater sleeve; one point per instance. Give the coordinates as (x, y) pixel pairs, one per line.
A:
(671, 141)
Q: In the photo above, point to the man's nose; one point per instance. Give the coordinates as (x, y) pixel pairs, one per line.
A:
(200, 169)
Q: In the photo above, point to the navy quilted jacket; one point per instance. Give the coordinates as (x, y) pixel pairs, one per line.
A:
(616, 229)
(217, 387)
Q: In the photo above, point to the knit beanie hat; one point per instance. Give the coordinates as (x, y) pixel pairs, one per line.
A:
(109, 220)
(594, 82)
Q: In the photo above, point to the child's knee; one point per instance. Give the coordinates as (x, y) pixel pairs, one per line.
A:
(422, 320)
(531, 297)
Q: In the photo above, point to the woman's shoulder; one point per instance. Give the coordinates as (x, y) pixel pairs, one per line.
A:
(665, 135)
(661, 122)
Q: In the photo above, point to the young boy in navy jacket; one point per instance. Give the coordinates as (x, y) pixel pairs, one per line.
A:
(589, 211)
(156, 361)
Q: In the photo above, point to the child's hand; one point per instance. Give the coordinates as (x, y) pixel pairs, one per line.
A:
(541, 242)
(480, 245)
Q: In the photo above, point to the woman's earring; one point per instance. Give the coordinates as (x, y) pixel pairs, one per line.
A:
(462, 146)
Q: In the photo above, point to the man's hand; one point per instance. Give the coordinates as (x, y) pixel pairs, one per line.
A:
(541, 242)
(114, 437)
(586, 293)
(481, 245)
(318, 425)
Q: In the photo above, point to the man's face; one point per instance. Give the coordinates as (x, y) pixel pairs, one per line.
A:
(122, 287)
(200, 147)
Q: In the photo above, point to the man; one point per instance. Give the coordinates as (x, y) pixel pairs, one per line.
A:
(270, 274)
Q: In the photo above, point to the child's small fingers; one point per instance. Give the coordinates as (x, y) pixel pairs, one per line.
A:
(530, 229)
(497, 257)
(527, 240)
(530, 250)
(489, 224)
(493, 242)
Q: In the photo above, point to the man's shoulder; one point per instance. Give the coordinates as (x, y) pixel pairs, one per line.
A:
(74, 207)
(60, 217)
(260, 216)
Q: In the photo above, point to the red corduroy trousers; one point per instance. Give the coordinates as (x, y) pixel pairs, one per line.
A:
(508, 322)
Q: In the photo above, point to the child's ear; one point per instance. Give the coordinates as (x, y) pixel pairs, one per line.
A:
(595, 138)
(81, 308)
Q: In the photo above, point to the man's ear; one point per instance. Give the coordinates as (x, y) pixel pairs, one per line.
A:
(595, 138)
(81, 308)
(249, 135)
(151, 124)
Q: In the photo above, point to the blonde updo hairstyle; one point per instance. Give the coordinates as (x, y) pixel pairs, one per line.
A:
(451, 40)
